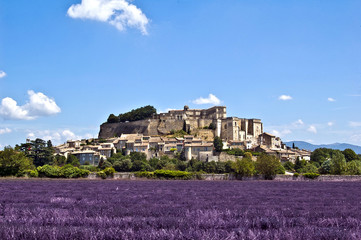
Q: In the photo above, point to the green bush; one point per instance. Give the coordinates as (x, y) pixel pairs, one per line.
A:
(296, 175)
(109, 171)
(144, 174)
(67, 171)
(101, 174)
(89, 168)
(49, 171)
(169, 174)
(281, 170)
(311, 175)
(32, 173)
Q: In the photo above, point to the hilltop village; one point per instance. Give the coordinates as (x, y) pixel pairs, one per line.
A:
(189, 132)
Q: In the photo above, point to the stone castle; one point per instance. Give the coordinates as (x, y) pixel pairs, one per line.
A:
(227, 128)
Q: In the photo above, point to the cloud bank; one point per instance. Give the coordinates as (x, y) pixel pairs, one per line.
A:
(354, 124)
(37, 106)
(118, 13)
(212, 99)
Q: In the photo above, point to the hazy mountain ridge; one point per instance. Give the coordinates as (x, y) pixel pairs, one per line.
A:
(310, 146)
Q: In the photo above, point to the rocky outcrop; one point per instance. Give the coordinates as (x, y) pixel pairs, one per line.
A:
(149, 127)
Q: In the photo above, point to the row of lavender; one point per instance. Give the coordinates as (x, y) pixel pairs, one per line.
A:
(75, 209)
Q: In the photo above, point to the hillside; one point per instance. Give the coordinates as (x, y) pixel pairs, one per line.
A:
(339, 146)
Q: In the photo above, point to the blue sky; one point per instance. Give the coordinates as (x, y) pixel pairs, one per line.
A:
(66, 65)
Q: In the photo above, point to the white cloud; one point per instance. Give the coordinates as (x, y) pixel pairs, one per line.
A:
(354, 124)
(210, 100)
(5, 130)
(330, 124)
(38, 105)
(166, 110)
(312, 129)
(118, 13)
(330, 99)
(285, 97)
(298, 123)
(281, 133)
(2, 74)
(56, 136)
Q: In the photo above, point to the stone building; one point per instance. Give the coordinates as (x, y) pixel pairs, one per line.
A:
(228, 128)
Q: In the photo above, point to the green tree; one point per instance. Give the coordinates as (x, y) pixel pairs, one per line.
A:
(289, 166)
(350, 155)
(218, 144)
(299, 164)
(106, 164)
(138, 156)
(210, 167)
(308, 168)
(112, 118)
(325, 167)
(320, 155)
(338, 163)
(212, 126)
(139, 165)
(59, 160)
(72, 160)
(14, 163)
(267, 165)
(124, 165)
(40, 151)
(138, 114)
(244, 167)
(353, 167)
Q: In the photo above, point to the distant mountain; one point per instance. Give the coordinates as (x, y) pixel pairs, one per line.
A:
(339, 146)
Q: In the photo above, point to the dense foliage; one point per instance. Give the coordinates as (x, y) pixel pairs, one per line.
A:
(218, 144)
(40, 151)
(14, 163)
(134, 115)
(67, 171)
(179, 210)
(267, 165)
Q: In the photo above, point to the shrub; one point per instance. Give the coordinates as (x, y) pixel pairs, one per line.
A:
(169, 174)
(296, 175)
(101, 174)
(109, 171)
(49, 171)
(32, 173)
(311, 175)
(69, 171)
(89, 168)
(144, 174)
(166, 174)
(281, 169)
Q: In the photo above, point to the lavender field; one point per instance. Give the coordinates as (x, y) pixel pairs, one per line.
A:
(83, 209)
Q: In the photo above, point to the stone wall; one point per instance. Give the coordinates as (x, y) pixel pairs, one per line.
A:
(224, 157)
(219, 177)
(109, 130)
(149, 127)
(321, 178)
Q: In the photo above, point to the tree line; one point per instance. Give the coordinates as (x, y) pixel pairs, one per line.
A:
(133, 115)
(328, 161)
